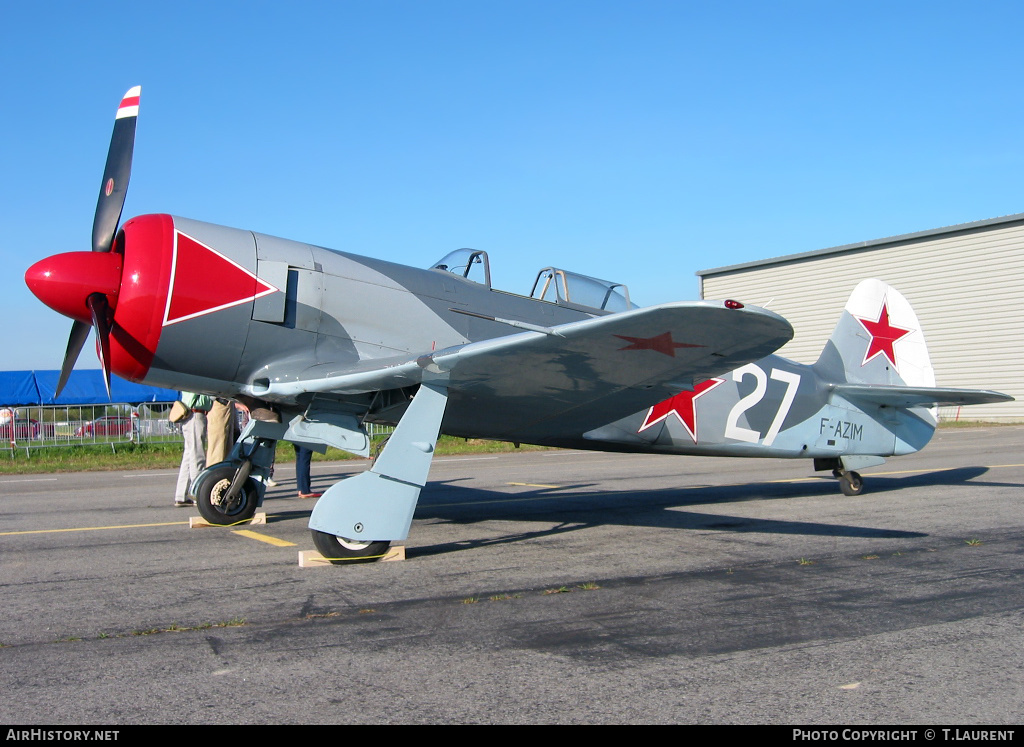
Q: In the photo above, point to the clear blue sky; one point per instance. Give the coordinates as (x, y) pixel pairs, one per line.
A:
(636, 141)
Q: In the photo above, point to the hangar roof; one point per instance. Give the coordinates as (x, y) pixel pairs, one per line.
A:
(867, 245)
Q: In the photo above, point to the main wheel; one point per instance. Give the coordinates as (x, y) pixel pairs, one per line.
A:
(212, 502)
(341, 551)
(851, 483)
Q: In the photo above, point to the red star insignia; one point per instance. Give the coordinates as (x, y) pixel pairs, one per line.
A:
(662, 343)
(683, 406)
(883, 335)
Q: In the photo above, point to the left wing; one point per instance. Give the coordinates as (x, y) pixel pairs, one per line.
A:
(583, 373)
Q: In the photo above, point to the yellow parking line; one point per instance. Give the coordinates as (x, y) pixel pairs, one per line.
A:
(532, 485)
(263, 538)
(95, 529)
(948, 469)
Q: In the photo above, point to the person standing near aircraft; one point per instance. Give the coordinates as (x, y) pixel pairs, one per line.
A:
(193, 458)
(303, 457)
(220, 430)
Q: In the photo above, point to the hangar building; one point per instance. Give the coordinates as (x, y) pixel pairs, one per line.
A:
(966, 283)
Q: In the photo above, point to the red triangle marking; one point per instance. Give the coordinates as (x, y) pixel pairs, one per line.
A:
(205, 281)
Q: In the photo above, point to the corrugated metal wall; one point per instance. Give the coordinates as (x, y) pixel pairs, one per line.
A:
(966, 284)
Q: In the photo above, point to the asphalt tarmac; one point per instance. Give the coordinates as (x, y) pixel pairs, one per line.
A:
(540, 587)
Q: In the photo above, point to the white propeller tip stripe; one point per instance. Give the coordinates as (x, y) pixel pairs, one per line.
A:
(129, 103)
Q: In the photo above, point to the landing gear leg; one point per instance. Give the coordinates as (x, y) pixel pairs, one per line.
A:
(357, 518)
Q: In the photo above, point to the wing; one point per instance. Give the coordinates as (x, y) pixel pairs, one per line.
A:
(580, 375)
(918, 396)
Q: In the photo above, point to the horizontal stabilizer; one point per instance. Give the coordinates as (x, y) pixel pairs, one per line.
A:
(918, 396)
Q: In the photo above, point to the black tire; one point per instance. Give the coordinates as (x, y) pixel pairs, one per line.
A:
(216, 484)
(851, 483)
(341, 551)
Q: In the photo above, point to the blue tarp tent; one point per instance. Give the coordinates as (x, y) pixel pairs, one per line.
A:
(20, 388)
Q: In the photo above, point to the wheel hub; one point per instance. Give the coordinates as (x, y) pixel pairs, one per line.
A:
(218, 497)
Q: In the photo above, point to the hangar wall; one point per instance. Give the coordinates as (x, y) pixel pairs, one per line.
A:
(966, 283)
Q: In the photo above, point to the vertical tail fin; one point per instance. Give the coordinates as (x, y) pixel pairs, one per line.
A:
(878, 340)
(878, 346)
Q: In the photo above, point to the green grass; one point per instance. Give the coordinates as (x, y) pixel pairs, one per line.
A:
(129, 456)
(974, 423)
(90, 458)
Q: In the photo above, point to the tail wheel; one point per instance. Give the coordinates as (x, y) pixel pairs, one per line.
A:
(342, 551)
(213, 503)
(851, 483)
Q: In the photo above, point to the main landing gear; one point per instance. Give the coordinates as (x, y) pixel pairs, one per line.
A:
(358, 518)
(230, 492)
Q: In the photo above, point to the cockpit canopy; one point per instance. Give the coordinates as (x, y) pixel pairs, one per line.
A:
(572, 289)
(553, 285)
(471, 264)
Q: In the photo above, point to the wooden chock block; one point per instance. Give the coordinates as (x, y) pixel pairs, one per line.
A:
(198, 522)
(312, 559)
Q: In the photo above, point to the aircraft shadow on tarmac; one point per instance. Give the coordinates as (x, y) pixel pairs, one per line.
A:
(456, 504)
(579, 508)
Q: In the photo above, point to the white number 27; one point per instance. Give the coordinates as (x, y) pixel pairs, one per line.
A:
(736, 431)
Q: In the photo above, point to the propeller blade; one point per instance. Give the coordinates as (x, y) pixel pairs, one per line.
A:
(116, 173)
(79, 334)
(101, 321)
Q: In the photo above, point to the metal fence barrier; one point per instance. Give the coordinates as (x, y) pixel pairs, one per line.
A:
(36, 427)
(39, 427)
(42, 426)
